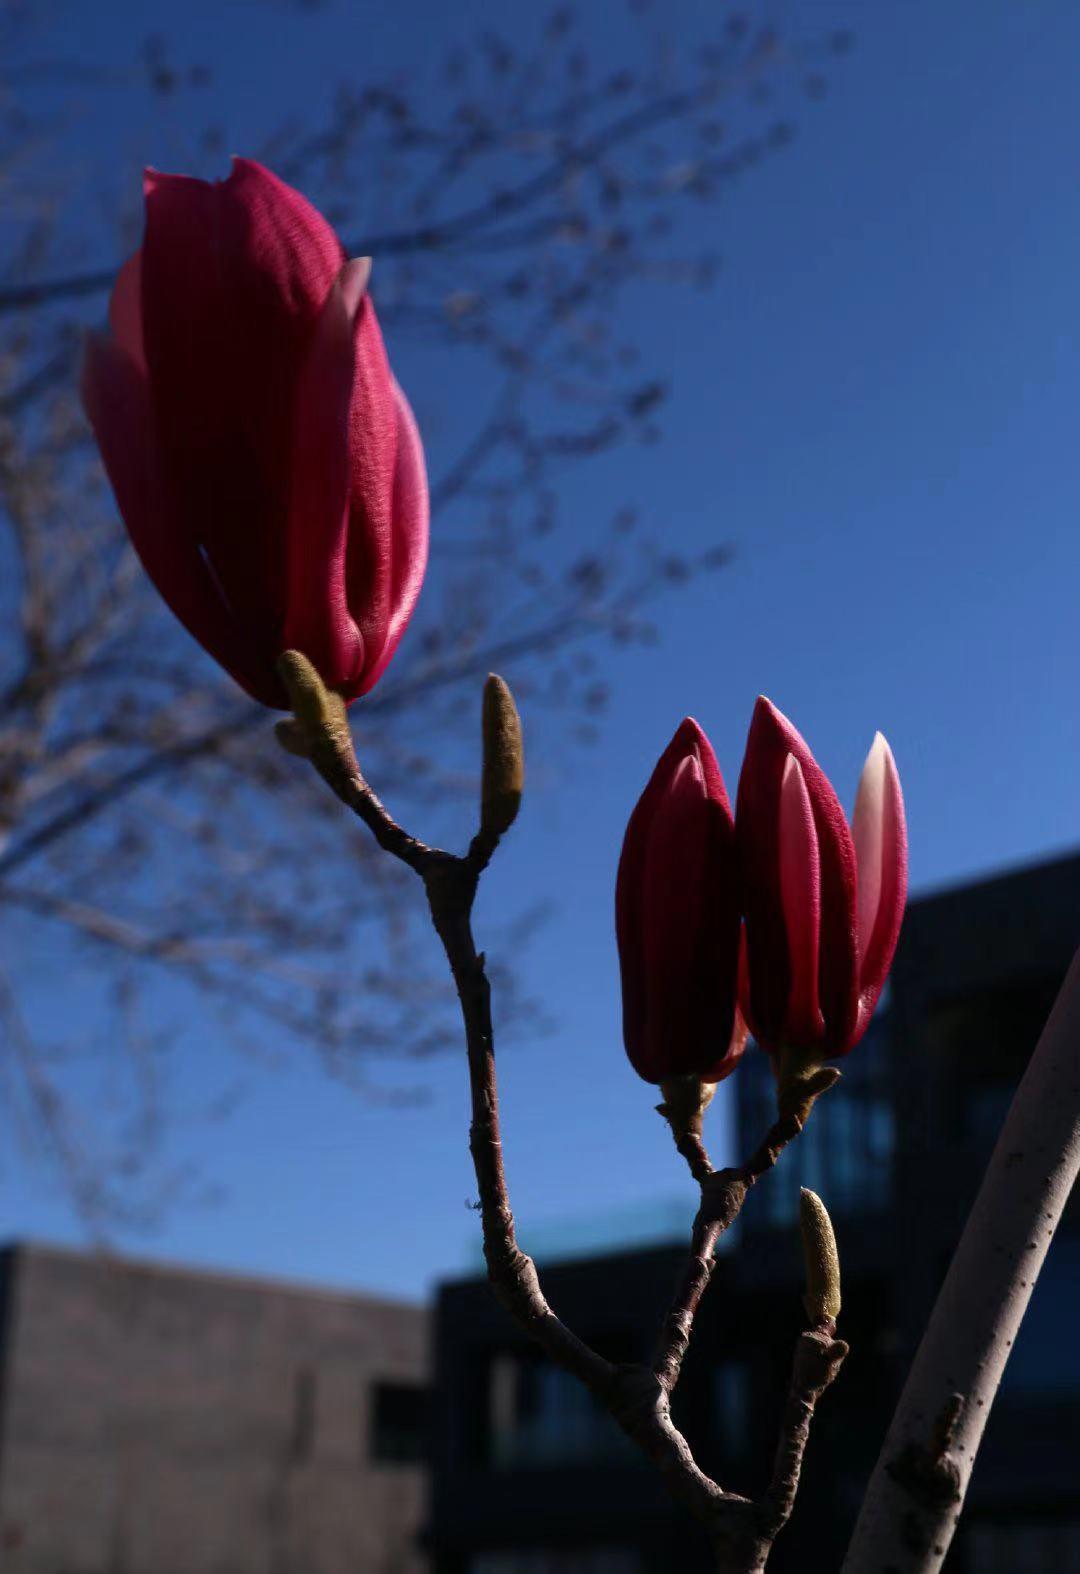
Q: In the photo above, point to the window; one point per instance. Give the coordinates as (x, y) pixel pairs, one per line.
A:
(1044, 1366)
(399, 1423)
(983, 1040)
(731, 1395)
(538, 1415)
(846, 1151)
(1026, 1548)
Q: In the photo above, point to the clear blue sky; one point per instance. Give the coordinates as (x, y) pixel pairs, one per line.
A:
(877, 405)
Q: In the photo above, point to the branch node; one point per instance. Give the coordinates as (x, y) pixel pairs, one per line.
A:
(800, 1083)
(931, 1473)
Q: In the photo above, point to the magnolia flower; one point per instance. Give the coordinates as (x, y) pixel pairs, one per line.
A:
(677, 919)
(266, 464)
(823, 902)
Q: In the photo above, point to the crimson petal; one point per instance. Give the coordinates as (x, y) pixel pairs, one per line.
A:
(116, 400)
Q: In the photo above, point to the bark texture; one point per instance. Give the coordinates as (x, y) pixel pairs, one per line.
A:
(917, 1490)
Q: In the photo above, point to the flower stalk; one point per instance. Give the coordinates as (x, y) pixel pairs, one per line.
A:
(741, 1530)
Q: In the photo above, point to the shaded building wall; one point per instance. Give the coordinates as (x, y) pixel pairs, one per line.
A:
(159, 1422)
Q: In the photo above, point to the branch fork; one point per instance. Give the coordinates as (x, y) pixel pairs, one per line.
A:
(638, 1397)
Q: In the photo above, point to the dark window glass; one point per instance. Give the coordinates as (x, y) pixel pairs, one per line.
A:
(399, 1423)
(1045, 1361)
(982, 1042)
(846, 1151)
(732, 1399)
(537, 1415)
(1029, 1547)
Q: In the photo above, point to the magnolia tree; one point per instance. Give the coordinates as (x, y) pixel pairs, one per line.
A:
(271, 476)
(534, 206)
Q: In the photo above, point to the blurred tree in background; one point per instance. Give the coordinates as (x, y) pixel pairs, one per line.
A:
(507, 215)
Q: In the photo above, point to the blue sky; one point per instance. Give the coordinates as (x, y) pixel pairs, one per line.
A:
(876, 406)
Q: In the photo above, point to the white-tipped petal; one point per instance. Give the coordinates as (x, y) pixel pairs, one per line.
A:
(880, 836)
(868, 833)
(353, 281)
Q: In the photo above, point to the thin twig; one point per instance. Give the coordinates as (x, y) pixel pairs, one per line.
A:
(723, 1193)
(818, 1357)
(741, 1531)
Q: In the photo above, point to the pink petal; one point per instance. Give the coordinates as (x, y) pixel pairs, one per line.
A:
(287, 249)
(771, 740)
(116, 400)
(279, 259)
(234, 278)
(677, 918)
(800, 890)
(880, 835)
(125, 311)
(373, 460)
(318, 620)
(210, 429)
(409, 541)
(674, 873)
(728, 1062)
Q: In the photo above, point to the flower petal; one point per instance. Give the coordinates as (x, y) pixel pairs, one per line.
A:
(234, 277)
(318, 620)
(772, 738)
(116, 399)
(409, 540)
(800, 894)
(880, 836)
(284, 242)
(279, 259)
(373, 461)
(125, 310)
(210, 428)
(677, 918)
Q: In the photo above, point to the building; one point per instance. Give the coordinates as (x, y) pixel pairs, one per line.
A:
(529, 1477)
(154, 1421)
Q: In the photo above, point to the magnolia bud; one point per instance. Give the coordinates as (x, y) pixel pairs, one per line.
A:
(322, 545)
(822, 1298)
(677, 920)
(504, 759)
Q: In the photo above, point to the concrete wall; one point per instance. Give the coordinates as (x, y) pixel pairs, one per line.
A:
(160, 1422)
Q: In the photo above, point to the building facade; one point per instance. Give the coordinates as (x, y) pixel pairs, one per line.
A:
(154, 1421)
(529, 1477)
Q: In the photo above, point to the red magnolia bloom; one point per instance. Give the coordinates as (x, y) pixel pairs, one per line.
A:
(823, 904)
(677, 919)
(266, 464)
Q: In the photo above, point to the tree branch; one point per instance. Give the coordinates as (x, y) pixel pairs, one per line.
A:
(741, 1531)
(723, 1193)
(917, 1489)
(438, 234)
(818, 1358)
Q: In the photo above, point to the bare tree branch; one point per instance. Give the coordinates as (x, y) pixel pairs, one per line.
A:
(741, 1531)
(508, 214)
(917, 1490)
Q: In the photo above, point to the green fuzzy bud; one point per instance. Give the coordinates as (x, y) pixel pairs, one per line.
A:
(504, 759)
(822, 1298)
